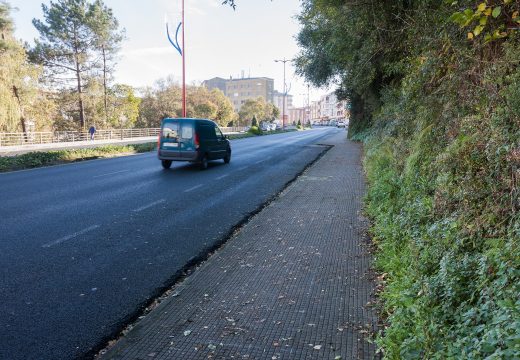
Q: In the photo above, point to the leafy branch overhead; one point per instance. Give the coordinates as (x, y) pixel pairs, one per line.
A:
(492, 19)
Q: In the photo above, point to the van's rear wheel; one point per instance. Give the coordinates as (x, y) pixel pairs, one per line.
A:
(166, 164)
(227, 158)
(204, 162)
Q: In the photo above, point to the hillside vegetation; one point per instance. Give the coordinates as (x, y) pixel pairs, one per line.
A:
(435, 93)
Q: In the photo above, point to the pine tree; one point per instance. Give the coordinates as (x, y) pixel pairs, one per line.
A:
(108, 37)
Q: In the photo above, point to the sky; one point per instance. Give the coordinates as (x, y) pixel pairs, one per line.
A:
(220, 41)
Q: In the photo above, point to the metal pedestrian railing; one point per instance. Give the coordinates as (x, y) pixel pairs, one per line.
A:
(34, 138)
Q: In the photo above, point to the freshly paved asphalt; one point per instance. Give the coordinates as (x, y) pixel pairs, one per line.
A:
(84, 246)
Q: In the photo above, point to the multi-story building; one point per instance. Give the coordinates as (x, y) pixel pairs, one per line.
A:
(215, 83)
(297, 114)
(278, 102)
(315, 111)
(332, 108)
(240, 90)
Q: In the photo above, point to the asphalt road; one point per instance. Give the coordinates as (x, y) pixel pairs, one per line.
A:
(84, 246)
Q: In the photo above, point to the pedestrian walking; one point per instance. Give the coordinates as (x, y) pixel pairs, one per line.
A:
(92, 131)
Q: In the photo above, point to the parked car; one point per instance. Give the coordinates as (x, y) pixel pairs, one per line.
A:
(341, 124)
(265, 126)
(278, 127)
(272, 126)
(193, 140)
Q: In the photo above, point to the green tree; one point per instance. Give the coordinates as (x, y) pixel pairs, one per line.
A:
(259, 108)
(21, 99)
(125, 104)
(67, 43)
(225, 111)
(108, 37)
(164, 100)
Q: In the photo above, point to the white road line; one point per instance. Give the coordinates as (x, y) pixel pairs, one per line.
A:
(112, 173)
(193, 188)
(70, 237)
(222, 177)
(149, 205)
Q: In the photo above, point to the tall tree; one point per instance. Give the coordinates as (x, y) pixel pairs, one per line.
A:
(108, 37)
(258, 108)
(66, 43)
(20, 96)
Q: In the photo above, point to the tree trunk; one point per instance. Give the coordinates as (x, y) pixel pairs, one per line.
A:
(80, 90)
(105, 82)
(22, 117)
(80, 98)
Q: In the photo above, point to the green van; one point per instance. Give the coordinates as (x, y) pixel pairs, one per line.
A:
(193, 140)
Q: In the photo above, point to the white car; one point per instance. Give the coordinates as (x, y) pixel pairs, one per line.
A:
(341, 124)
(265, 127)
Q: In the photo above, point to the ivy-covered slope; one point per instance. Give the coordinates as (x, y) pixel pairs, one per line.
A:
(435, 94)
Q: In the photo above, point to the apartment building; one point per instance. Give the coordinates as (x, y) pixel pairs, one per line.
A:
(240, 90)
(278, 101)
(329, 107)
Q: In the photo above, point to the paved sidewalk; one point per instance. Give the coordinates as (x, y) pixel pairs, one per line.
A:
(294, 283)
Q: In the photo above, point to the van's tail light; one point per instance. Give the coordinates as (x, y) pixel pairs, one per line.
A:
(197, 141)
(159, 142)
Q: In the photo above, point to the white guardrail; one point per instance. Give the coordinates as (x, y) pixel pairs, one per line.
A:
(49, 137)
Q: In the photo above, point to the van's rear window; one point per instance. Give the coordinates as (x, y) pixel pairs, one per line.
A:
(187, 132)
(170, 130)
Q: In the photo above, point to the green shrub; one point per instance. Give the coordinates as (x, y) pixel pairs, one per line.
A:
(255, 130)
(38, 159)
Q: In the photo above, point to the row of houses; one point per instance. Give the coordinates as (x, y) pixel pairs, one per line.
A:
(327, 108)
(242, 89)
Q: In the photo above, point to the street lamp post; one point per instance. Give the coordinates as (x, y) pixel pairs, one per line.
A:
(309, 104)
(284, 91)
(183, 67)
(307, 115)
(182, 52)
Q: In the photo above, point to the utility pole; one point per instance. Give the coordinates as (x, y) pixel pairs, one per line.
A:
(284, 90)
(183, 67)
(309, 104)
(181, 51)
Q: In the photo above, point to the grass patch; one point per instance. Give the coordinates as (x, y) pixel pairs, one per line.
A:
(47, 158)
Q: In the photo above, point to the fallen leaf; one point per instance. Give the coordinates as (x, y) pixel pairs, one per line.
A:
(317, 347)
(187, 332)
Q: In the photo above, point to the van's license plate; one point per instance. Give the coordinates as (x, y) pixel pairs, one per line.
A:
(171, 144)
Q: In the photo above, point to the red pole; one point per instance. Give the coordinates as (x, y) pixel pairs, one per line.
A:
(183, 67)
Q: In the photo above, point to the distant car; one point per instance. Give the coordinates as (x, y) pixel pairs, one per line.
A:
(341, 124)
(193, 140)
(278, 127)
(265, 127)
(273, 126)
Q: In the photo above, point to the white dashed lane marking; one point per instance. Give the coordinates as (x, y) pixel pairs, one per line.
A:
(149, 205)
(71, 236)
